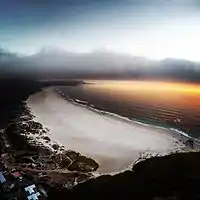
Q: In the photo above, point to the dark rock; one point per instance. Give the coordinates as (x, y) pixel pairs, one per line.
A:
(35, 125)
(83, 164)
(82, 178)
(71, 154)
(55, 146)
(62, 148)
(43, 131)
(46, 138)
(65, 161)
(189, 143)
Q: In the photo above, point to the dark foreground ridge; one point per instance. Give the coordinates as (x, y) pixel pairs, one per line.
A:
(171, 177)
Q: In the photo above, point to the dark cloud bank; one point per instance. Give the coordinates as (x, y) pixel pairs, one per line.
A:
(56, 63)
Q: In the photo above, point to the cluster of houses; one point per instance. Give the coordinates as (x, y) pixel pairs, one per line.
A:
(14, 186)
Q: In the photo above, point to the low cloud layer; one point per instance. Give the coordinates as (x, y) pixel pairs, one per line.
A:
(56, 63)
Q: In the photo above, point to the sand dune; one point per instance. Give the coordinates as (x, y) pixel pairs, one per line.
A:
(112, 142)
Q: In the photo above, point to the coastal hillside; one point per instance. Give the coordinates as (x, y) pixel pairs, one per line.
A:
(70, 175)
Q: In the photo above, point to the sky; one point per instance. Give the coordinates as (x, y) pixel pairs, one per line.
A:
(155, 29)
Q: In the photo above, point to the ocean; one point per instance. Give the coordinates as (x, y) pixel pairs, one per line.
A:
(172, 105)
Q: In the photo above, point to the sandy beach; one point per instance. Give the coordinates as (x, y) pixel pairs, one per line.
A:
(113, 143)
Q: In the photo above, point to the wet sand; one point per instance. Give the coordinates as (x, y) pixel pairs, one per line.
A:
(113, 143)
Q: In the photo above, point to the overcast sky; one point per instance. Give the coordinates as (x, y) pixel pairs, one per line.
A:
(152, 28)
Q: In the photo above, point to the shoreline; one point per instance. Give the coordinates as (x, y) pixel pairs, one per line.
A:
(23, 152)
(172, 176)
(60, 181)
(182, 136)
(137, 155)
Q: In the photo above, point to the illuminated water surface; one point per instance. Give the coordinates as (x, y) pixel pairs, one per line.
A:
(169, 104)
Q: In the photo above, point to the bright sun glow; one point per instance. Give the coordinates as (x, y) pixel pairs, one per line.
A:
(167, 94)
(149, 86)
